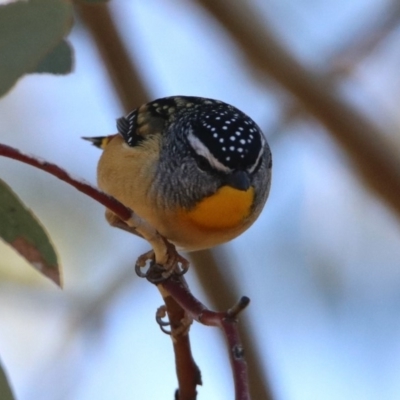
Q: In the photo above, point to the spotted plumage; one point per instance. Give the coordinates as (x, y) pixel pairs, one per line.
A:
(221, 133)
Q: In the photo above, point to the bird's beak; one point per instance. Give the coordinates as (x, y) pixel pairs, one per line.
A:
(239, 180)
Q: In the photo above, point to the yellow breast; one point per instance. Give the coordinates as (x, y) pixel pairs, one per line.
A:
(226, 209)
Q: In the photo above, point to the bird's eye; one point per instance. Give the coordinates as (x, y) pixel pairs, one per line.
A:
(203, 164)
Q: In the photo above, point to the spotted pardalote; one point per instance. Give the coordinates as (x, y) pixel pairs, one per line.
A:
(197, 169)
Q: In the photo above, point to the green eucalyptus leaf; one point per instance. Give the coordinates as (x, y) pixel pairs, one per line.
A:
(29, 32)
(5, 389)
(59, 61)
(21, 229)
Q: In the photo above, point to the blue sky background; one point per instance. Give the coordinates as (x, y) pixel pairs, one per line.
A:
(321, 265)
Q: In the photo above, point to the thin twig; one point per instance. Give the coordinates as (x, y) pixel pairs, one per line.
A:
(224, 320)
(112, 204)
(344, 59)
(365, 42)
(221, 288)
(187, 371)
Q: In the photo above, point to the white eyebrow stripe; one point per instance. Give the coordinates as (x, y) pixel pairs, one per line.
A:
(251, 170)
(202, 150)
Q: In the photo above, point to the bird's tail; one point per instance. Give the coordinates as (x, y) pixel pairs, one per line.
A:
(99, 141)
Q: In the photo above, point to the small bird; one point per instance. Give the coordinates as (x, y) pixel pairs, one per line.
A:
(198, 170)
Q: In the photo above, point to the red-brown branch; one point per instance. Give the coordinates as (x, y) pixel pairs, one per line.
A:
(187, 371)
(227, 321)
(112, 204)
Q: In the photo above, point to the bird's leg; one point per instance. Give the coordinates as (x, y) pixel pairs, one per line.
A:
(175, 264)
(164, 259)
(117, 222)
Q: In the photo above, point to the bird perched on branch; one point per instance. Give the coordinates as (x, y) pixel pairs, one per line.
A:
(198, 170)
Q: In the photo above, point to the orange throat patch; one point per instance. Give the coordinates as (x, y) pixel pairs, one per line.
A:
(225, 209)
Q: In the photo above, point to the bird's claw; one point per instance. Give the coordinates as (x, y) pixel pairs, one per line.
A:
(156, 273)
(176, 331)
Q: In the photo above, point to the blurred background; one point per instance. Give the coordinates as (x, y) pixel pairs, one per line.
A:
(322, 263)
